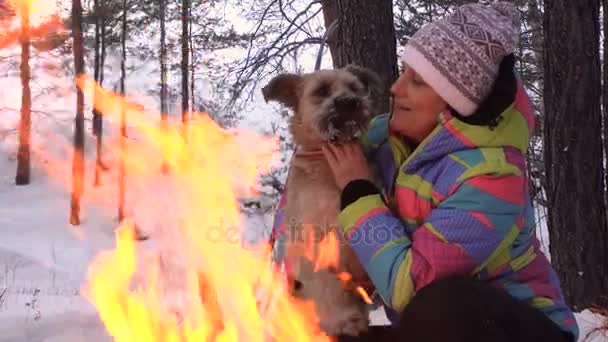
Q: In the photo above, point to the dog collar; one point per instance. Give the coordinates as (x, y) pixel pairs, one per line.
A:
(308, 153)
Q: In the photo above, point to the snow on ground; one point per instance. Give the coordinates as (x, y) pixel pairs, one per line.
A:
(43, 262)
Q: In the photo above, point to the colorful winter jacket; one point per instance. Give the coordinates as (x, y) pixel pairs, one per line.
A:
(457, 204)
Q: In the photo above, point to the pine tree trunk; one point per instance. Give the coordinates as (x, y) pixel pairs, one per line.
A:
(535, 22)
(185, 54)
(96, 114)
(605, 98)
(123, 117)
(191, 47)
(534, 156)
(96, 58)
(163, 62)
(99, 165)
(163, 77)
(573, 150)
(78, 158)
(365, 36)
(330, 14)
(23, 153)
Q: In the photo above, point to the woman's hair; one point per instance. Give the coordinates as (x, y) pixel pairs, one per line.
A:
(500, 98)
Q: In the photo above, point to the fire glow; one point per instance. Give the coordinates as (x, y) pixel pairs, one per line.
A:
(226, 292)
(38, 11)
(36, 20)
(232, 293)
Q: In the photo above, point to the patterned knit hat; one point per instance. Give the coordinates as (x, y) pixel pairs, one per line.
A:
(459, 55)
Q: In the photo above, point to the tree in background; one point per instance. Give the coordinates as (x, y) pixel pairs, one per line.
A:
(25, 124)
(99, 14)
(163, 73)
(78, 157)
(365, 36)
(123, 117)
(573, 150)
(605, 95)
(192, 57)
(185, 54)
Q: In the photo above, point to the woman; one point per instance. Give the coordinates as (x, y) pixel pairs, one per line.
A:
(449, 242)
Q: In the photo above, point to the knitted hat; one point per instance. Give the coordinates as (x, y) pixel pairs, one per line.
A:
(459, 55)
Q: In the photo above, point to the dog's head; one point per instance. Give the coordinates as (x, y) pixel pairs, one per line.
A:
(328, 105)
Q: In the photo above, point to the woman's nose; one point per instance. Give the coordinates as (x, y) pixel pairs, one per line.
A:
(398, 89)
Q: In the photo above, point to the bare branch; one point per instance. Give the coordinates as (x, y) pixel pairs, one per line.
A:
(272, 56)
(292, 21)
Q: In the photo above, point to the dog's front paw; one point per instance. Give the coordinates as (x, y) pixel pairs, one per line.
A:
(340, 311)
(351, 323)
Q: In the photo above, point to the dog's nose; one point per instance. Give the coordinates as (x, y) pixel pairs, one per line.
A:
(347, 103)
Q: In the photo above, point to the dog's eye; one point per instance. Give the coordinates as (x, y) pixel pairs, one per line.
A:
(322, 90)
(356, 88)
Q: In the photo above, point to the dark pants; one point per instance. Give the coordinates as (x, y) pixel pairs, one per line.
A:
(463, 309)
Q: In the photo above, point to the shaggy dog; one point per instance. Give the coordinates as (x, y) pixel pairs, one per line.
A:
(328, 106)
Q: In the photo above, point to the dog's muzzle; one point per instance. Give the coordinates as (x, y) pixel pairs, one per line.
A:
(347, 104)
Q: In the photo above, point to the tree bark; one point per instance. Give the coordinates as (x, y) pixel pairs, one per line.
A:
(96, 60)
(22, 176)
(605, 97)
(534, 156)
(97, 119)
(184, 66)
(123, 117)
(365, 36)
(191, 48)
(102, 62)
(78, 158)
(573, 150)
(163, 76)
(163, 62)
(330, 14)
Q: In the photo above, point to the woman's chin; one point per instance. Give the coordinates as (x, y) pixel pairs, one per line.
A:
(395, 126)
(397, 131)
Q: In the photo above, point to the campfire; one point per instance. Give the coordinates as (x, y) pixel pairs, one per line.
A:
(219, 288)
(201, 281)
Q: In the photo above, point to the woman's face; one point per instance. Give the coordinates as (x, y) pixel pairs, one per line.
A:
(415, 106)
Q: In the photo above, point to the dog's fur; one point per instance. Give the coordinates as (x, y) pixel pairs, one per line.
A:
(328, 106)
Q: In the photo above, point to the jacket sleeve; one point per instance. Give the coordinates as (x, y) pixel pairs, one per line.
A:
(470, 229)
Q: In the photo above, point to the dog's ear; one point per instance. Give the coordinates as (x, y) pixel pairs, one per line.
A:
(370, 79)
(283, 89)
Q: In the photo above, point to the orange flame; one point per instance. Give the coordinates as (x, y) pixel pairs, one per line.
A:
(45, 29)
(38, 11)
(329, 252)
(228, 292)
(361, 291)
(328, 257)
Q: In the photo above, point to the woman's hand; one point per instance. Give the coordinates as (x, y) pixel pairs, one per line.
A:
(347, 163)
